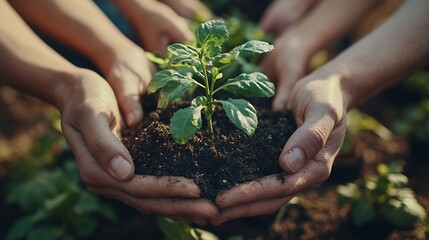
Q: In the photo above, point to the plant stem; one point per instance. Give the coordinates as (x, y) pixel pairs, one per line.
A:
(209, 108)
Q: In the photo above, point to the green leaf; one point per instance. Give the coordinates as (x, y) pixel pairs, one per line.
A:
(162, 77)
(184, 60)
(84, 226)
(174, 230)
(224, 58)
(63, 202)
(46, 232)
(348, 193)
(183, 55)
(242, 114)
(403, 213)
(397, 179)
(250, 85)
(363, 212)
(251, 47)
(153, 58)
(199, 101)
(173, 89)
(211, 33)
(20, 228)
(181, 49)
(185, 123)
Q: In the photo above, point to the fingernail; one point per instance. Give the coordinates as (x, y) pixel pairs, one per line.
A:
(120, 167)
(131, 118)
(294, 159)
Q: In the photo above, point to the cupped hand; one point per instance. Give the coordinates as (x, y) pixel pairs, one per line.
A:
(157, 25)
(307, 157)
(129, 73)
(91, 124)
(283, 13)
(285, 65)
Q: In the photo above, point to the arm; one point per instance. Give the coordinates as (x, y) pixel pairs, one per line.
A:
(325, 24)
(320, 101)
(91, 124)
(82, 26)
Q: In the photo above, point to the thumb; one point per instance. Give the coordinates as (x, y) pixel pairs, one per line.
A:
(306, 142)
(106, 148)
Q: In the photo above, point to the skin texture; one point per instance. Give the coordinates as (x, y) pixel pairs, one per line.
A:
(322, 27)
(145, 14)
(189, 9)
(283, 13)
(320, 101)
(91, 33)
(91, 124)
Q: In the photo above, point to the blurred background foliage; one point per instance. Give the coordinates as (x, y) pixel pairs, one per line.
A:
(43, 197)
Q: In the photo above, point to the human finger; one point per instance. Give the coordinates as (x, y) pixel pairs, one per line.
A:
(185, 208)
(263, 207)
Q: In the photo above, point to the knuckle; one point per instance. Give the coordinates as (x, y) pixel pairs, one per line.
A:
(317, 138)
(98, 145)
(332, 112)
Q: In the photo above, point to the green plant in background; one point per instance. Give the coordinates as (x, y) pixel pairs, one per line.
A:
(415, 122)
(418, 83)
(206, 60)
(359, 122)
(383, 196)
(55, 206)
(175, 230)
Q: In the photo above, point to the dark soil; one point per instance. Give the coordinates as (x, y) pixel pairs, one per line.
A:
(232, 157)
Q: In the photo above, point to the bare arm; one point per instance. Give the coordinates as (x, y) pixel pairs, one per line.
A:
(27, 63)
(81, 25)
(325, 24)
(394, 50)
(91, 124)
(320, 100)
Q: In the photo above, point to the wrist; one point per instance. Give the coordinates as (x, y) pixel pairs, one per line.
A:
(341, 79)
(66, 83)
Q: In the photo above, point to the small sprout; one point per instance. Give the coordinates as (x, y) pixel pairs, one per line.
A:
(206, 60)
(385, 195)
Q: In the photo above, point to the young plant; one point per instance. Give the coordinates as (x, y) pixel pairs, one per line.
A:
(54, 205)
(206, 61)
(385, 195)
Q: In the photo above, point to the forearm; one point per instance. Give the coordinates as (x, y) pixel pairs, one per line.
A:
(79, 24)
(330, 20)
(390, 53)
(27, 63)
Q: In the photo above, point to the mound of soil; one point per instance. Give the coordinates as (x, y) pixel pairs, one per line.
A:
(230, 159)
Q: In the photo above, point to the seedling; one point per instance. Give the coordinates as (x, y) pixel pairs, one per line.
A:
(206, 61)
(385, 195)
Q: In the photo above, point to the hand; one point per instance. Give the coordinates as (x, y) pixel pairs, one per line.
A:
(190, 9)
(91, 124)
(286, 64)
(128, 72)
(283, 13)
(156, 24)
(307, 157)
